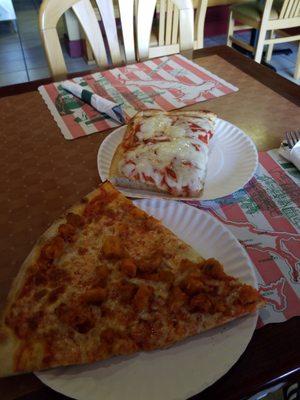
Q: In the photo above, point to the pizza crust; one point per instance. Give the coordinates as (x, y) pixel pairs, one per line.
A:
(8, 340)
(197, 114)
(117, 178)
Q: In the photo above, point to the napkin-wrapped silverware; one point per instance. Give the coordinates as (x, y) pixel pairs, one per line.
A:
(291, 149)
(101, 104)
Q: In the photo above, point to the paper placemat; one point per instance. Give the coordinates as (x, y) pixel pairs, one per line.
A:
(165, 83)
(265, 217)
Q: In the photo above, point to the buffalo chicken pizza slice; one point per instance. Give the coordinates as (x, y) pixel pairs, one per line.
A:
(107, 279)
(165, 152)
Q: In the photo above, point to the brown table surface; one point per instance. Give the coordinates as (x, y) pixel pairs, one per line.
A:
(42, 174)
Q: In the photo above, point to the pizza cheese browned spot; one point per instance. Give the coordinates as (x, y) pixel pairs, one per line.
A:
(107, 279)
(165, 152)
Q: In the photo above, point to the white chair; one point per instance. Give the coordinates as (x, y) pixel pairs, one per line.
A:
(271, 19)
(201, 8)
(178, 12)
(164, 35)
(52, 10)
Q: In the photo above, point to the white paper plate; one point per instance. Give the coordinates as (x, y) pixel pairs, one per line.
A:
(189, 367)
(232, 162)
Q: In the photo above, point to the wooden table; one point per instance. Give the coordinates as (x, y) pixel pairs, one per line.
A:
(41, 176)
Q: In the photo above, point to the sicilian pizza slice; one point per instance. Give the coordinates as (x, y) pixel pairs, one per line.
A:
(165, 152)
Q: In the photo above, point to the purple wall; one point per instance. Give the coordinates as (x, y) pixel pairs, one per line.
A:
(216, 22)
(74, 47)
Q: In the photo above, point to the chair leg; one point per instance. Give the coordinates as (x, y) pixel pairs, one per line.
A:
(199, 24)
(260, 45)
(297, 68)
(230, 29)
(270, 47)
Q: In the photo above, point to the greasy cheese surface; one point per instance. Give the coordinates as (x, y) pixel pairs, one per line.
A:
(114, 281)
(170, 152)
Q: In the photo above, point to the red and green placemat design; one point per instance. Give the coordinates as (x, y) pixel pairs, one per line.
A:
(164, 83)
(265, 217)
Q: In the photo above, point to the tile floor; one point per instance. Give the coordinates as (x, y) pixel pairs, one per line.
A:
(22, 57)
(284, 64)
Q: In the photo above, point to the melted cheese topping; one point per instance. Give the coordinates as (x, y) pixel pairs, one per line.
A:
(152, 159)
(152, 125)
(171, 153)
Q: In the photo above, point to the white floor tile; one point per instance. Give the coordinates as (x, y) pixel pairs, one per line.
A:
(7, 39)
(23, 5)
(290, 57)
(282, 62)
(80, 66)
(34, 43)
(36, 62)
(209, 42)
(39, 73)
(245, 35)
(8, 57)
(26, 36)
(12, 62)
(26, 14)
(9, 47)
(288, 74)
(28, 28)
(11, 78)
(220, 39)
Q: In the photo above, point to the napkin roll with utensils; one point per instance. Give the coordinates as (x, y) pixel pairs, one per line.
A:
(290, 148)
(101, 104)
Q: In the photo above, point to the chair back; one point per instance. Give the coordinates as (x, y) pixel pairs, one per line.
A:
(168, 27)
(201, 8)
(289, 16)
(106, 43)
(290, 9)
(175, 27)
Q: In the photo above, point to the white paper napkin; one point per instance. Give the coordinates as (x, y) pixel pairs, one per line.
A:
(292, 155)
